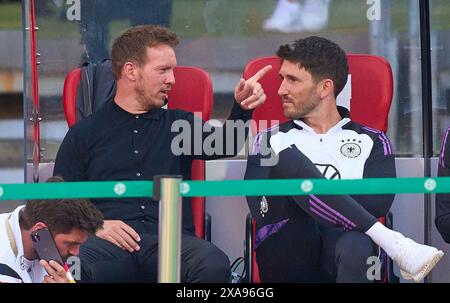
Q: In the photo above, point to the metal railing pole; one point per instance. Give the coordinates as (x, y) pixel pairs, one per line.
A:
(427, 113)
(169, 244)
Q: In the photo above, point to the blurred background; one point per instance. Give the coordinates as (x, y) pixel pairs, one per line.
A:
(219, 36)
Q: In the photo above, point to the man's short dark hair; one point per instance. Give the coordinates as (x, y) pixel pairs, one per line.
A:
(133, 43)
(62, 215)
(322, 58)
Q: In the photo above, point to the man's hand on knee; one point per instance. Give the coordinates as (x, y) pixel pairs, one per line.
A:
(120, 234)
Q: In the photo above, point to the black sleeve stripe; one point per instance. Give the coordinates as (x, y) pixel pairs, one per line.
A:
(5, 270)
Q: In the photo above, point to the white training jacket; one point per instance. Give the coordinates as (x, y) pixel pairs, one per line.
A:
(14, 268)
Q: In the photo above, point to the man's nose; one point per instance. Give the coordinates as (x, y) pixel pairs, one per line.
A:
(282, 90)
(75, 251)
(171, 78)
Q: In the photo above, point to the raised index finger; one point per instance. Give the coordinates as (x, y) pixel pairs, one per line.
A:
(259, 74)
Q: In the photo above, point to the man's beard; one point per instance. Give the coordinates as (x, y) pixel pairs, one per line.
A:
(301, 110)
(144, 100)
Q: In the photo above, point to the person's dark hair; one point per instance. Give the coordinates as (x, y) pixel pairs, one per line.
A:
(133, 43)
(62, 215)
(322, 58)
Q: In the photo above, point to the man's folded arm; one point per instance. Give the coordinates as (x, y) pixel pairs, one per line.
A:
(216, 142)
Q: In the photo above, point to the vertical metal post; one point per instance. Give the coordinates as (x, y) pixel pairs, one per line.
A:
(167, 191)
(427, 111)
(31, 90)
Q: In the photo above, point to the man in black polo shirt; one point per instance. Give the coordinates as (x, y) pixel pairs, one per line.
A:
(130, 139)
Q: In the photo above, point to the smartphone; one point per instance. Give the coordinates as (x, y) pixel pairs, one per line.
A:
(45, 246)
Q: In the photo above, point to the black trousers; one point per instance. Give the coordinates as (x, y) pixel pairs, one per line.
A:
(318, 253)
(324, 238)
(104, 262)
(345, 256)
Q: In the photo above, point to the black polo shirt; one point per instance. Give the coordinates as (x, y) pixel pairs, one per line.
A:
(113, 144)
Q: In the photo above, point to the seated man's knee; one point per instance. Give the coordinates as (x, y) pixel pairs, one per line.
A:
(216, 264)
(206, 264)
(353, 253)
(355, 246)
(104, 262)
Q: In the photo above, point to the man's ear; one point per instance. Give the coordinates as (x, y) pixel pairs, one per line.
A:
(130, 71)
(326, 87)
(38, 226)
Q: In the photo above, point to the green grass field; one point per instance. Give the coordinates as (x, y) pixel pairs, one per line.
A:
(191, 18)
(10, 16)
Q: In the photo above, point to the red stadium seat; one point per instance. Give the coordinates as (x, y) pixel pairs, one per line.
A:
(371, 88)
(191, 92)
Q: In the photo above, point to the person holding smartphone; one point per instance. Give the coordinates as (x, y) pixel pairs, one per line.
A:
(37, 238)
